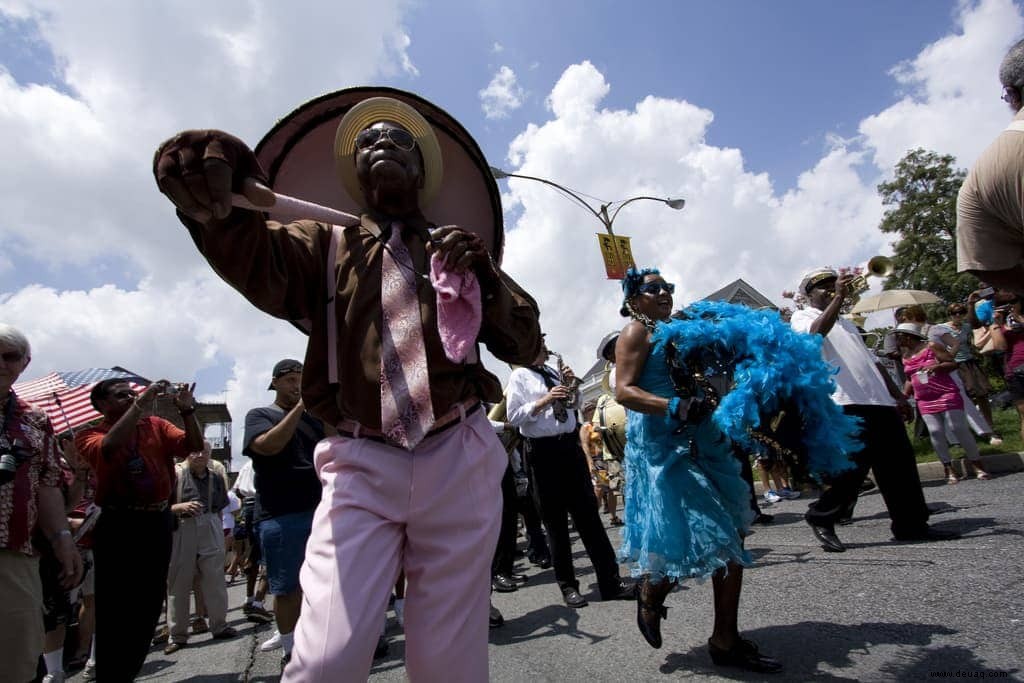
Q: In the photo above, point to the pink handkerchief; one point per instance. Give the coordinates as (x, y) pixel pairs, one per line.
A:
(458, 309)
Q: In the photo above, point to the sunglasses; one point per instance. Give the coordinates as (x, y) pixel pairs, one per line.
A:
(402, 139)
(12, 356)
(128, 393)
(656, 287)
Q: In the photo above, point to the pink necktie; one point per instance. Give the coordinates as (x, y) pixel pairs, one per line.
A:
(405, 409)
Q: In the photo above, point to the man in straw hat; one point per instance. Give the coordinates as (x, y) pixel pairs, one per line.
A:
(864, 390)
(411, 481)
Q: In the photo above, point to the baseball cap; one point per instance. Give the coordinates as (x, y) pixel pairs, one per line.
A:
(283, 367)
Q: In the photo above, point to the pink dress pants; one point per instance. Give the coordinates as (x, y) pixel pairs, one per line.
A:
(435, 512)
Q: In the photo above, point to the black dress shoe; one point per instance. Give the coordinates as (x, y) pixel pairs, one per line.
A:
(928, 534)
(624, 590)
(573, 598)
(648, 620)
(744, 655)
(541, 560)
(827, 536)
(495, 619)
(503, 584)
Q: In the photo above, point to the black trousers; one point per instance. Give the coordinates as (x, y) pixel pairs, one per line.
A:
(132, 551)
(561, 484)
(888, 452)
(504, 553)
(537, 544)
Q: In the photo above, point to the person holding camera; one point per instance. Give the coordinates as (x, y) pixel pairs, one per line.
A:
(1007, 331)
(30, 500)
(133, 455)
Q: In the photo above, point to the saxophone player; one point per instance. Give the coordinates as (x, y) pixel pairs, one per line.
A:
(561, 479)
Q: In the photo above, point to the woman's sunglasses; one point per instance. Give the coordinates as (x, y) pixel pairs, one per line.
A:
(656, 287)
(402, 139)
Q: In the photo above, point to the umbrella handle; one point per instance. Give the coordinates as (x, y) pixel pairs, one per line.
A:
(300, 208)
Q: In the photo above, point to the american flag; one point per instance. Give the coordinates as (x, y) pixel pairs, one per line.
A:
(65, 395)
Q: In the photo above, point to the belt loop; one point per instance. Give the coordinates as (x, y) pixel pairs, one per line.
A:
(355, 432)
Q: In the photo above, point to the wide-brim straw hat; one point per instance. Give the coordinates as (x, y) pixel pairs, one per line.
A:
(376, 109)
(299, 157)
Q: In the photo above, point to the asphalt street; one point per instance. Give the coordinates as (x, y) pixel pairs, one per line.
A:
(881, 611)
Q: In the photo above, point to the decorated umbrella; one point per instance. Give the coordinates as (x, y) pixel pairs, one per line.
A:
(893, 298)
(64, 396)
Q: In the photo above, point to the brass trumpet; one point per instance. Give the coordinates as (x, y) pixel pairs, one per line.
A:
(877, 266)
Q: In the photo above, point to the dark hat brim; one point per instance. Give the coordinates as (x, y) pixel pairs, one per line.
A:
(298, 156)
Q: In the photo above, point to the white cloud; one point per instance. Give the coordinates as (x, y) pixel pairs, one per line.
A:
(497, 48)
(502, 96)
(952, 102)
(735, 225)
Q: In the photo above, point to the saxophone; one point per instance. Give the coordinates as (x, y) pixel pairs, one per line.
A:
(561, 407)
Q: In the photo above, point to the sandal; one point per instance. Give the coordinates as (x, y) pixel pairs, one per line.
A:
(744, 655)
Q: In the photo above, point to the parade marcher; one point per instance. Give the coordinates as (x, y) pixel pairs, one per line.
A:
(411, 481)
(133, 456)
(990, 206)
(197, 554)
(30, 501)
(281, 439)
(975, 382)
(540, 406)
(695, 387)
(929, 366)
(864, 390)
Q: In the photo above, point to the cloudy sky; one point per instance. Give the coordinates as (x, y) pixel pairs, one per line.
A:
(775, 121)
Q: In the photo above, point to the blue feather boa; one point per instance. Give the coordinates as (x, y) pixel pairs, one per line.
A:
(774, 366)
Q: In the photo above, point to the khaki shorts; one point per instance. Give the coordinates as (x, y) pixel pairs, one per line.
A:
(21, 613)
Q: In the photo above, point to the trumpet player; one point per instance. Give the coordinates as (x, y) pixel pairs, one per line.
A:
(537, 396)
(864, 390)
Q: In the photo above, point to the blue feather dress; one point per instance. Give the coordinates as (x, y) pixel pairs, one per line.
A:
(687, 506)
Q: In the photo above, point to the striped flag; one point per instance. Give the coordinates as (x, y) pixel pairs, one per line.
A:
(65, 395)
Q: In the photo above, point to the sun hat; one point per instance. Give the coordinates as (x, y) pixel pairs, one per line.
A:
(374, 110)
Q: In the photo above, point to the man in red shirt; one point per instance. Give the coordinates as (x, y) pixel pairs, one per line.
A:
(29, 496)
(133, 456)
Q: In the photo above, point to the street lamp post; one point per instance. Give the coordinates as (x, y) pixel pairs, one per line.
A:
(601, 212)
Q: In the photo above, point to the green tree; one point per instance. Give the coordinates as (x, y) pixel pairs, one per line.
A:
(921, 211)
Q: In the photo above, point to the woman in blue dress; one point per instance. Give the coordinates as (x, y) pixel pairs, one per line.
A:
(694, 388)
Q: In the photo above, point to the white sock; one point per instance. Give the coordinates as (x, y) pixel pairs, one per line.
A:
(287, 639)
(92, 653)
(54, 661)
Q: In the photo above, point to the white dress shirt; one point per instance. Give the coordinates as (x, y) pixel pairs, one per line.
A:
(525, 388)
(858, 381)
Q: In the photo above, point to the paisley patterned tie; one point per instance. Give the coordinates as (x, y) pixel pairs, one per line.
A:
(405, 408)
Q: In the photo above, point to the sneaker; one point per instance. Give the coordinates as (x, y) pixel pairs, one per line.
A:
(789, 494)
(771, 496)
(54, 678)
(257, 614)
(952, 479)
(994, 440)
(89, 672)
(271, 643)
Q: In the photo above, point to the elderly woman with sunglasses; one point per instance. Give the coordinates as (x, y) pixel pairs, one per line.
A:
(687, 506)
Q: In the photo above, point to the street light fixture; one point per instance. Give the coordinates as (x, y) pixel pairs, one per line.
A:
(600, 213)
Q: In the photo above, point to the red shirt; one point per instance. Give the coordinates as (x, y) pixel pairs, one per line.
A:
(19, 499)
(141, 473)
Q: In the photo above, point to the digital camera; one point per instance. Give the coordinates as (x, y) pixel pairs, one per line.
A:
(11, 458)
